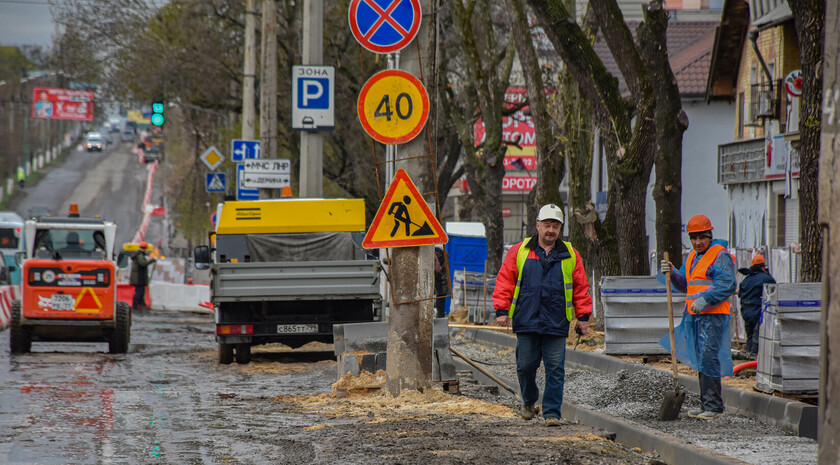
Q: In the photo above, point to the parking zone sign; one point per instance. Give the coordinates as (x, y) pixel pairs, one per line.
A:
(313, 98)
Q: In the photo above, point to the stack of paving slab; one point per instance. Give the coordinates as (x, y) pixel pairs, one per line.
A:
(364, 346)
(789, 339)
(473, 293)
(636, 314)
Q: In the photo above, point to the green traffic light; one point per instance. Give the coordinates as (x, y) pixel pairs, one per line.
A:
(157, 119)
(157, 107)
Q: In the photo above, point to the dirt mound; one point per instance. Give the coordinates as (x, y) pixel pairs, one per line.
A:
(366, 396)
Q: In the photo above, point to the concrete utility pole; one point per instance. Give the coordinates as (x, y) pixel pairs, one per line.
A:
(268, 85)
(249, 72)
(829, 216)
(412, 268)
(312, 143)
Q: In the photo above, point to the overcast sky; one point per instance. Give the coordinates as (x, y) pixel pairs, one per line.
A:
(24, 22)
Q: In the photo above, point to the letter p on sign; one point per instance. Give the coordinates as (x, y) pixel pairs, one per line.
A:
(311, 93)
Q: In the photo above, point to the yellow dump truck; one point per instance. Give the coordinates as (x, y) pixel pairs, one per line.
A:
(286, 271)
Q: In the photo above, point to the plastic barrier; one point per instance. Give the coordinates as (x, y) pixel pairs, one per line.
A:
(168, 296)
(125, 293)
(7, 295)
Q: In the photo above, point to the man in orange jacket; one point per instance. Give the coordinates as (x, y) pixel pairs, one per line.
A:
(541, 287)
(708, 279)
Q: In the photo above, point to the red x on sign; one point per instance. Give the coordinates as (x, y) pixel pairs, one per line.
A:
(384, 26)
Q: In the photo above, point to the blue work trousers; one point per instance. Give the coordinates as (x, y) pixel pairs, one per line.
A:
(711, 331)
(532, 348)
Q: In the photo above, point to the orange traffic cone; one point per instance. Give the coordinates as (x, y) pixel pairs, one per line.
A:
(286, 192)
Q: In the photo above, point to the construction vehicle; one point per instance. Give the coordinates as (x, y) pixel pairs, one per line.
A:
(69, 287)
(286, 271)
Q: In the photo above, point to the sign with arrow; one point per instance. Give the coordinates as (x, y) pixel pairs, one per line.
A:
(267, 174)
(241, 149)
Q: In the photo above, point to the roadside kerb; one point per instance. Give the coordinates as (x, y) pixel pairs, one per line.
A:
(791, 415)
(629, 434)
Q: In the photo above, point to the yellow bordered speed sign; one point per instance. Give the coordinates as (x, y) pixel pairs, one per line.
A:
(393, 106)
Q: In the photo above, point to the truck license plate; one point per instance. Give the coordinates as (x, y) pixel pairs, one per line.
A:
(62, 302)
(287, 329)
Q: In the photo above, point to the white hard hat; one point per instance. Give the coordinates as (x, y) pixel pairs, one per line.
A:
(551, 212)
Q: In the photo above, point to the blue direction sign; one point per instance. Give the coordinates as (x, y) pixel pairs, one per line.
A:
(241, 192)
(384, 26)
(241, 149)
(215, 183)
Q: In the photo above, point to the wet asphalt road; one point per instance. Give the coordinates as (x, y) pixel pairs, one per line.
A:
(109, 184)
(166, 401)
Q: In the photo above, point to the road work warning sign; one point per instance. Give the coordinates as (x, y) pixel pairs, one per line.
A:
(403, 218)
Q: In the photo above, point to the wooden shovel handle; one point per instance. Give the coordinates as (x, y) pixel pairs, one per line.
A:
(671, 324)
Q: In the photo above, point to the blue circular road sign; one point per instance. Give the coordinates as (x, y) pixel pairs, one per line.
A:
(384, 26)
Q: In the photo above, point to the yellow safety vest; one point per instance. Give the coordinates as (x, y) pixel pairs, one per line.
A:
(568, 265)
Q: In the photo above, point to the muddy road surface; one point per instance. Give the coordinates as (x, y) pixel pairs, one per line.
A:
(167, 401)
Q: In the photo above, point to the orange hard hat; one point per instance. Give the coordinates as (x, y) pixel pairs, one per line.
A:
(758, 260)
(144, 245)
(698, 223)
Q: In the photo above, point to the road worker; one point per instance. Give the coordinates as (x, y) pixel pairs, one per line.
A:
(750, 291)
(541, 287)
(140, 275)
(708, 279)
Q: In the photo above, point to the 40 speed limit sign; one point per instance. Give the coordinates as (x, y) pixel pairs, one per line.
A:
(393, 106)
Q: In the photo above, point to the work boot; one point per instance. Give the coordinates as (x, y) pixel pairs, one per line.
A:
(527, 412)
(554, 421)
(709, 415)
(695, 413)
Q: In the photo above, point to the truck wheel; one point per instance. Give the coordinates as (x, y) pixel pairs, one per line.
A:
(118, 342)
(225, 353)
(243, 353)
(20, 342)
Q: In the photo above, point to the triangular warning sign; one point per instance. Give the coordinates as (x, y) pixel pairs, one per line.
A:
(403, 218)
(88, 302)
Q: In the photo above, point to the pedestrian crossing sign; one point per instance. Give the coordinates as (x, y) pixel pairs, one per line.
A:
(403, 219)
(215, 183)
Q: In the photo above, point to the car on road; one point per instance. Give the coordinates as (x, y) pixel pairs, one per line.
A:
(39, 211)
(94, 141)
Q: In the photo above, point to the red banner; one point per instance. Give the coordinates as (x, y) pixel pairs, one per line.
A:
(53, 103)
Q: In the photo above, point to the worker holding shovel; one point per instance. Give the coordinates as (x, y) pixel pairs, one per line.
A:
(708, 279)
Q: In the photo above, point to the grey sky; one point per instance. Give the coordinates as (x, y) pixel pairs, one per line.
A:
(24, 22)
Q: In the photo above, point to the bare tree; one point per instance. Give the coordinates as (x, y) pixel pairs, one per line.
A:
(487, 61)
(628, 127)
(551, 164)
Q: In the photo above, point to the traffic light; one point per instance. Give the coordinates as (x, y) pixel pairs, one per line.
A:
(157, 114)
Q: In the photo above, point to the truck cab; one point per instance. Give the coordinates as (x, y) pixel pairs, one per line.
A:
(286, 271)
(68, 288)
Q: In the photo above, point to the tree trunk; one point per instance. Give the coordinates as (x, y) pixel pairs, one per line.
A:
(632, 160)
(809, 17)
(671, 123)
(550, 164)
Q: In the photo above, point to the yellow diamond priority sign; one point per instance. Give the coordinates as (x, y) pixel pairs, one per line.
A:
(393, 106)
(403, 218)
(212, 157)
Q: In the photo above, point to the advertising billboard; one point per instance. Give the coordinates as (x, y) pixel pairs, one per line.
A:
(53, 103)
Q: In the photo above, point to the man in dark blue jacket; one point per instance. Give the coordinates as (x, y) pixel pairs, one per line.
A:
(540, 289)
(750, 292)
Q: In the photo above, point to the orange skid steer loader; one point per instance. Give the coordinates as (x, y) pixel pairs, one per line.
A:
(69, 285)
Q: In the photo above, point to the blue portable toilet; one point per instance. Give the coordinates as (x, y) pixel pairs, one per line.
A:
(467, 249)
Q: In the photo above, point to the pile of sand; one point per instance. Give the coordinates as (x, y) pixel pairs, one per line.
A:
(366, 396)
